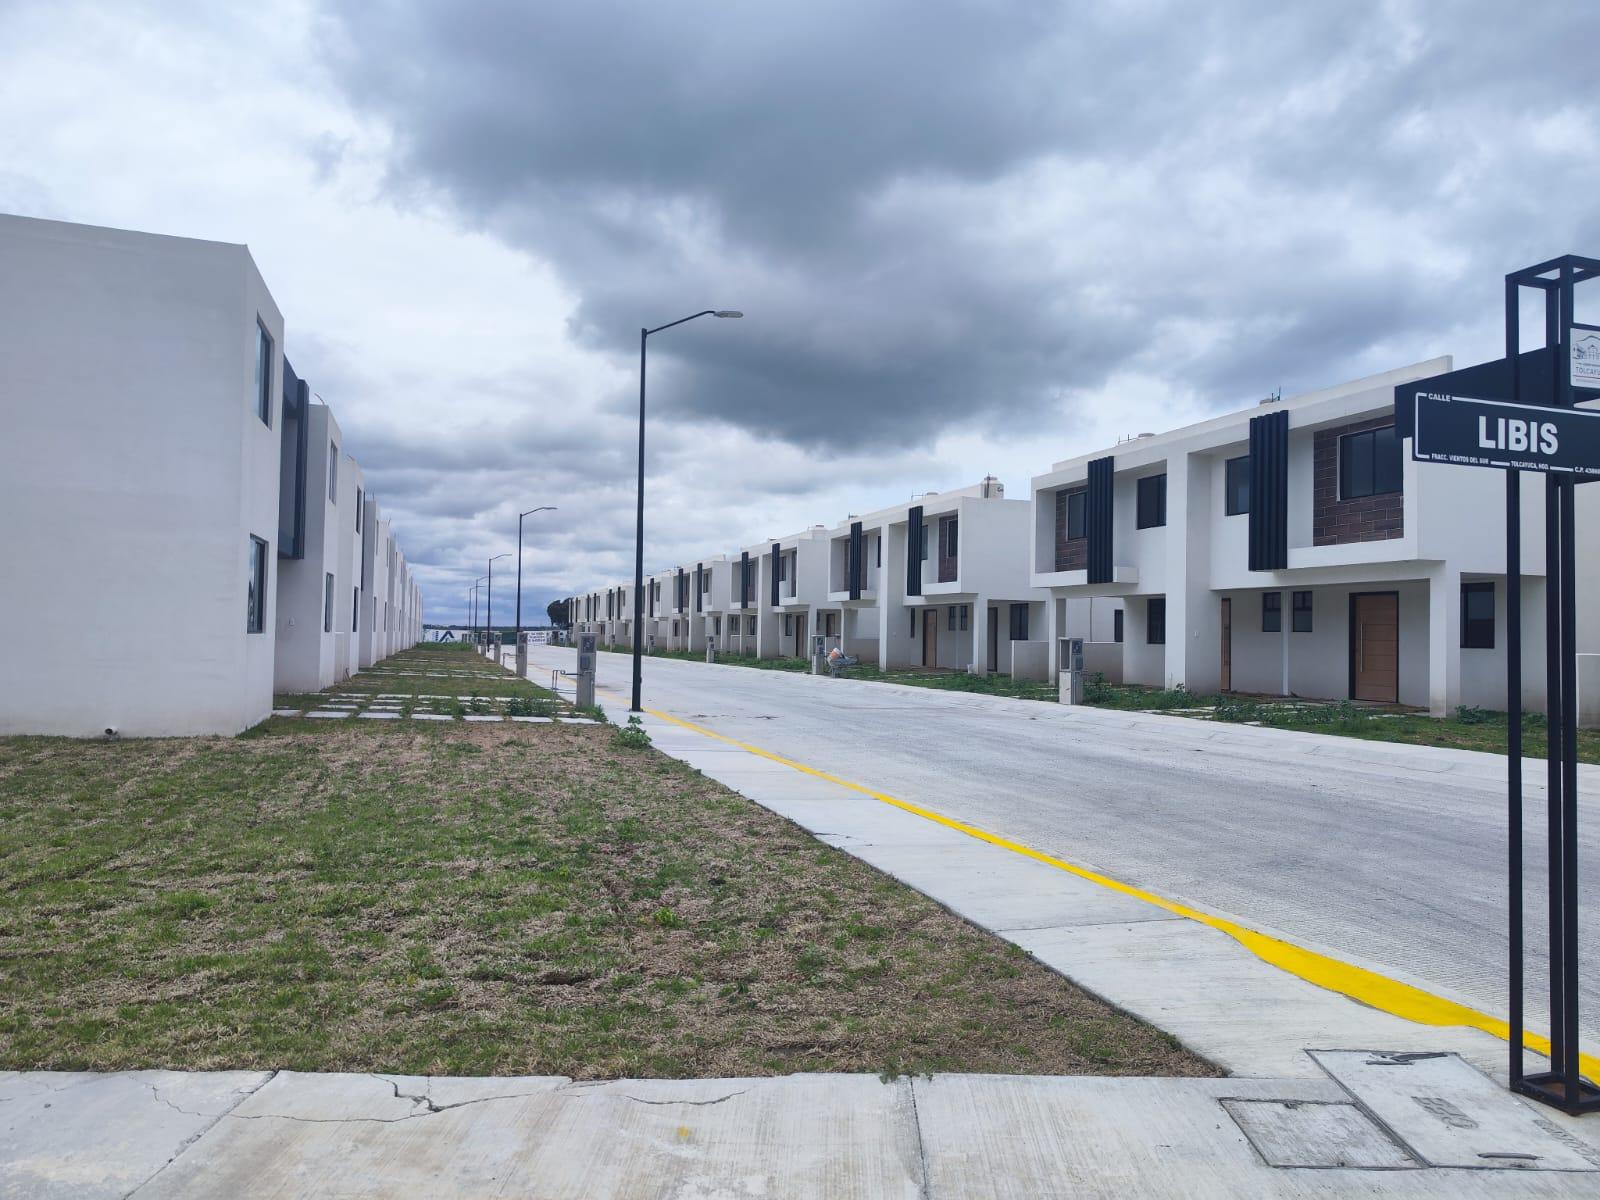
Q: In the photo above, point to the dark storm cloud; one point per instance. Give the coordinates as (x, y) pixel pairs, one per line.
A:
(780, 157)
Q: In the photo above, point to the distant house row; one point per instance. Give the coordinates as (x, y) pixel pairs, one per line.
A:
(1291, 548)
(186, 530)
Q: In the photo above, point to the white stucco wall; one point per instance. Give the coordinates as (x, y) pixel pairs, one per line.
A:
(133, 471)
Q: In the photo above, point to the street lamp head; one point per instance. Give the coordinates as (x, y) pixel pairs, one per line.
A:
(727, 312)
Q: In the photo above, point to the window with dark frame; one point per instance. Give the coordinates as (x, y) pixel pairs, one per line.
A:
(264, 357)
(1152, 502)
(1477, 616)
(949, 528)
(1370, 463)
(1271, 612)
(256, 595)
(877, 551)
(327, 602)
(966, 610)
(1077, 515)
(355, 610)
(1116, 625)
(1301, 622)
(1155, 621)
(950, 617)
(1019, 622)
(358, 511)
(922, 541)
(1236, 485)
(333, 473)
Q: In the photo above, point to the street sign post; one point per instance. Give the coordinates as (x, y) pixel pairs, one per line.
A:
(1516, 414)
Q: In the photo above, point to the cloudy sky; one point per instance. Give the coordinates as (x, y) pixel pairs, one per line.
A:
(968, 237)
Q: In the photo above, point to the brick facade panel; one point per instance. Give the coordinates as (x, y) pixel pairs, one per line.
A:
(1336, 522)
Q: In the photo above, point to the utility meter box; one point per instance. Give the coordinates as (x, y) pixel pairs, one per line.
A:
(819, 653)
(711, 649)
(1071, 649)
(586, 660)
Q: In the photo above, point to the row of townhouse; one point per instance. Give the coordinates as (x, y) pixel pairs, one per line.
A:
(1292, 548)
(186, 531)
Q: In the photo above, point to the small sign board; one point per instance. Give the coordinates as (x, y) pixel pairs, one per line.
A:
(1467, 432)
(1584, 357)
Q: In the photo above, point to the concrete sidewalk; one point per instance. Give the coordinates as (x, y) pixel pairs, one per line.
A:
(1362, 1125)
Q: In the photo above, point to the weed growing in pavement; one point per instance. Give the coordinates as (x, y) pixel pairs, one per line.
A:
(1096, 690)
(1469, 714)
(632, 736)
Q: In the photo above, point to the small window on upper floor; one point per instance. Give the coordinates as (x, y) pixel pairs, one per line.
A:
(358, 511)
(333, 473)
(1077, 514)
(256, 590)
(1116, 625)
(264, 357)
(1237, 486)
(1369, 463)
(1152, 501)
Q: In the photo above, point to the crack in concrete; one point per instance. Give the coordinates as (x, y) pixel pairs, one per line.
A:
(690, 1103)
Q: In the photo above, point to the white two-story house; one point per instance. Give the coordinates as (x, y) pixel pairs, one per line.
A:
(1295, 548)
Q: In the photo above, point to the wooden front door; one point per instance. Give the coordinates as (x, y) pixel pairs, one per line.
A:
(1375, 646)
(1227, 644)
(930, 637)
(994, 640)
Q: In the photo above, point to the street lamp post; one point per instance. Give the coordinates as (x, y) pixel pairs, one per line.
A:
(488, 600)
(638, 547)
(529, 513)
(476, 585)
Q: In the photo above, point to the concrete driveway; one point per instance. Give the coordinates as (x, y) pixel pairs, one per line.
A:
(1383, 855)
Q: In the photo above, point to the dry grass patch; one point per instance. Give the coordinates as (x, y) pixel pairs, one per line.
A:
(484, 899)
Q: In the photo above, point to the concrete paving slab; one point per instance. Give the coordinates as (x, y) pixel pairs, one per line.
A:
(358, 1136)
(423, 716)
(326, 713)
(988, 1137)
(533, 720)
(1227, 1005)
(375, 715)
(1303, 1133)
(287, 712)
(482, 717)
(1003, 891)
(1450, 1115)
(88, 1135)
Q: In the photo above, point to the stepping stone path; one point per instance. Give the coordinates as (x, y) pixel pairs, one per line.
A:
(393, 707)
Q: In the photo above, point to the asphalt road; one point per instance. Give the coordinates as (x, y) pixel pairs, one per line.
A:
(1388, 856)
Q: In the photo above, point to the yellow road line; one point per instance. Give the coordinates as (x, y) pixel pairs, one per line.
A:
(1370, 988)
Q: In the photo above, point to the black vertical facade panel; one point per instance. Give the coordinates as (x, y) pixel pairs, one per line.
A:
(699, 587)
(856, 565)
(914, 535)
(1269, 492)
(1098, 520)
(744, 578)
(777, 557)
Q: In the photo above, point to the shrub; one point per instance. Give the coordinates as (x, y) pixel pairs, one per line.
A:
(632, 736)
(1096, 690)
(1469, 714)
(1229, 709)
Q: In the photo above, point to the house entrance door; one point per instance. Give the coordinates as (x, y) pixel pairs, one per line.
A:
(1375, 647)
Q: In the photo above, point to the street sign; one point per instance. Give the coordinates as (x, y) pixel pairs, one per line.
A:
(1468, 432)
(1584, 358)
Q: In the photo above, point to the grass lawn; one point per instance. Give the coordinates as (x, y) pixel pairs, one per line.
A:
(482, 899)
(1469, 729)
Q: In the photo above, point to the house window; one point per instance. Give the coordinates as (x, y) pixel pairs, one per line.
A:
(327, 602)
(1077, 514)
(333, 473)
(965, 616)
(1271, 612)
(264, 358)
(877, 551)
(1019, 622)
(1116, 625)
(1155, 621)
(1152, 501)
(950, 614)
(788, 624)
(716, 626)
(705, 582)
(1369, 463)
(1477, 616)
(750, 624)
(1302, 612)
(256, 596)
(922, 541)
(1237, 486)
(948, 529)
(358, 512)
(355, 610)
